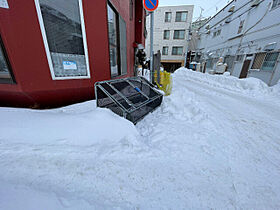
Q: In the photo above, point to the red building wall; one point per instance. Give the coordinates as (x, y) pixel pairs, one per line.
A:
(22, 37)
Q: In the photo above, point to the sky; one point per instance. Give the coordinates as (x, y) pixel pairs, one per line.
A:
(209, 6)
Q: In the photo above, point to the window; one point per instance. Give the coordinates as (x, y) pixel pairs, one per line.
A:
(181, 16)
(131, 8)
(276, 3)
(209, 63)
(5, 75)
(217, 33)
(168, 17)
(258, 61)
(64, 36)
(270, 61)
(240, 26)
(179, 34)
(177, 51)
(165, 51)
(166, 34)
(229, 60)
(239, 58)
(117, 42)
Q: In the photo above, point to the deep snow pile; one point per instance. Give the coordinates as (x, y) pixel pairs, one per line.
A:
(251, 86)
(214, 143)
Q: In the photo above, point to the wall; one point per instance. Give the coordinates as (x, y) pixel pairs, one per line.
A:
(230, 43)
(160, 25)
(29, 62)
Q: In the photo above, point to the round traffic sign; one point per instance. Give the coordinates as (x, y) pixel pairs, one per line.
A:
(150, 5)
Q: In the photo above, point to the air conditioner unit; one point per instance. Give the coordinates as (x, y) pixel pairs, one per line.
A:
(232, 8)
(208, 32)
(256, 3)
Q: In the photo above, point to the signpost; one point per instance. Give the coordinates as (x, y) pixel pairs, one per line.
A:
(151, 6)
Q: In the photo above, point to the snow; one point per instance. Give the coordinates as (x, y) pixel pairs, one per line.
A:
(213, 144)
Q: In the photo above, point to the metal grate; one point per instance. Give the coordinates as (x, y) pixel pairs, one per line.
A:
(258, 61)
(270, 61)
(131, 98)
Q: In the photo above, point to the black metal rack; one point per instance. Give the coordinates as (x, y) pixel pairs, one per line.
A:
(131, 98)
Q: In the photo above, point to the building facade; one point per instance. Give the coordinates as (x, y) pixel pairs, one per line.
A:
(53, 52)
(247, 35)
(171, 34)
(196, 25)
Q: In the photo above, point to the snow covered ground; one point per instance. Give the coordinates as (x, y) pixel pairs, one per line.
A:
(213, 144)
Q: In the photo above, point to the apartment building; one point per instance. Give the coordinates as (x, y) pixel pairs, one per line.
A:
(247, 35)
(171, 34)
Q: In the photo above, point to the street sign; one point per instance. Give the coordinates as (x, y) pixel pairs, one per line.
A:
(150, 5)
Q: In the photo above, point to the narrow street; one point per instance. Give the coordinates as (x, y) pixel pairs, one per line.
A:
(214, 143)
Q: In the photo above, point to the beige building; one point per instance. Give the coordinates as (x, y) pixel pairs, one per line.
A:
(171, 34)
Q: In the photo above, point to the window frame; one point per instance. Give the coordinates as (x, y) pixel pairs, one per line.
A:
(165, 47)
(120, 73)
(275, 62)
(177, 50)
(10, 80)
(179, 34)
(131, 10)
(164, 35)
(241, 26)
(47, 49)
(276, 6)
(181, 21)
(165, 19)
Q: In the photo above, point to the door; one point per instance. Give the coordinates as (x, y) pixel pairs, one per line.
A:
(245, 69)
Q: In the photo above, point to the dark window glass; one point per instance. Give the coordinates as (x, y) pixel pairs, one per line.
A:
(165, 51)
(166, 34)
(113, 41)
(62, 22)
(117, 42)
(181, 16)
(177, 51)
(168, 17)
(131, 8)
(5, 75)
(241, 26)
(270, 61)
(276, 3)
(239, 58)
(179, 34)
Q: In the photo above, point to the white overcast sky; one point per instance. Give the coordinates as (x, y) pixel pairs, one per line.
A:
(209, 6)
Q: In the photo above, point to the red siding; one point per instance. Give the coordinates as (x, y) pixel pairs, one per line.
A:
(20, 30)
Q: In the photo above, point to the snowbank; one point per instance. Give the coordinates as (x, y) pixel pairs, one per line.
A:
(251, 86)
(77, 125)
(211, 145)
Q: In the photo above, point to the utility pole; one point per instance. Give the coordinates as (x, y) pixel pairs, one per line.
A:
(151, 46)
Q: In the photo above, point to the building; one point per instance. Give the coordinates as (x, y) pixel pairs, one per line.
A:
(171, 34)
(247, 35)
(53, 52)
(194, 32)
(198, 23)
